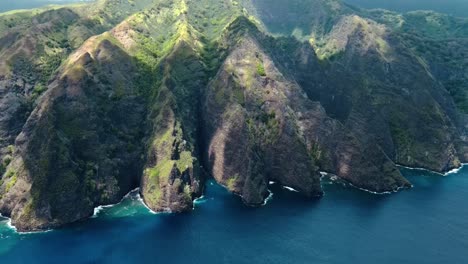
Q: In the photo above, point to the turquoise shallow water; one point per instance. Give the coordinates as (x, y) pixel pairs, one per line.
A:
(427, 224)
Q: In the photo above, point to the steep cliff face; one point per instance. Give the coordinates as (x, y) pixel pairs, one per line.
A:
(439, 41)
(98, 99)
(172, 178)
(171, 51)
(81, 146)
(252, 128)
(27, 63)
(377, 85)
(390, 94)
(258, 119)
(151, 66)
(33, 45)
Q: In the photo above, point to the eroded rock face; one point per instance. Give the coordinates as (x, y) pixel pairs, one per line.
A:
(264, 128)
(252, 128)
(388, 95)
(14, 109)
(162, 99)
(81, 146)
(23, 66)
(379, 78)
(171, 179)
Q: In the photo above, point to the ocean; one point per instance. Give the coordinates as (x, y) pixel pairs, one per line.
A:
(425, 224)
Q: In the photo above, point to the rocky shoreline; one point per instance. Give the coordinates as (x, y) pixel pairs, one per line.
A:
(99, 99)
(333, 178)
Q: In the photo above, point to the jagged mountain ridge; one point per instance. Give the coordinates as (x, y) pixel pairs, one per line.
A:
(162, 94)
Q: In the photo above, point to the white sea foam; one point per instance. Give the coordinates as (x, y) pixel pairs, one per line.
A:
(330, 176)
(379, 193)
(98, 209)
(140, 199)
(456, 170)
(12, 227)
(453, 171)
(269, 198)
(419, 169)
(200, 200)
(8, 223)
(334, 179)
(33, 232)
(289, 188)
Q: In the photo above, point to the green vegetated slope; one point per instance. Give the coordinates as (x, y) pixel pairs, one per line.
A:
(378, 83)
(442, 42)
(97, 99)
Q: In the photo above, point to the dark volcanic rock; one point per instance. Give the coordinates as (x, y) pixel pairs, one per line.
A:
(171, 179)
(263, 127)
(390, 97)
(81, 146)
(252, 130)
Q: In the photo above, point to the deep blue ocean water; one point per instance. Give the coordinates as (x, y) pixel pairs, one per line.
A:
(426, 224)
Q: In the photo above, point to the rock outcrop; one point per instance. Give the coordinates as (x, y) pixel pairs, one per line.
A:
(81, 145)
(263, 127)
(171, 179)
(98, 99)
